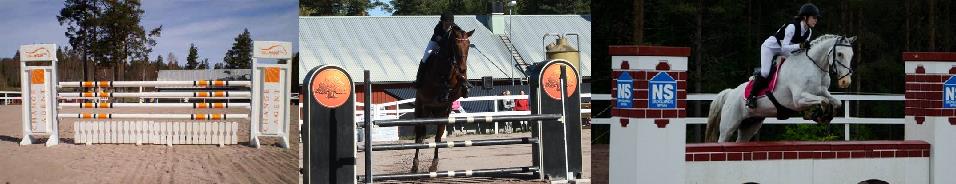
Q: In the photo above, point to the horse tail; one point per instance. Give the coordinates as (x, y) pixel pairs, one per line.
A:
(713, 117)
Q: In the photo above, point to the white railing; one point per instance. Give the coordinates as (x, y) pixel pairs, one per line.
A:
(393, 110)
(846, 120)
(7, 97)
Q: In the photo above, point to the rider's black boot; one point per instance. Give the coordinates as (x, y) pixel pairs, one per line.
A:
(467, 86)
(759, 83)
(443, 97)
(419, 75)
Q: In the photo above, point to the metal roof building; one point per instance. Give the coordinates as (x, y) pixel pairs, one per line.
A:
(391, 46)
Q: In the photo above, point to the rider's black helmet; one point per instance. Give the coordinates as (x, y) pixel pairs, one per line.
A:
(447, 17)
(809, 10)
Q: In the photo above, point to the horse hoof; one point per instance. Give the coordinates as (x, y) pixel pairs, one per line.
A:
(434, 167)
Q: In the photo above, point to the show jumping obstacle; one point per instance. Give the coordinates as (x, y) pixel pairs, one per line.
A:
(330, 130)
(269, 96)
(648, 134)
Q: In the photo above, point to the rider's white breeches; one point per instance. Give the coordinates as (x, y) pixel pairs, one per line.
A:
(767, 51)
(428, 50)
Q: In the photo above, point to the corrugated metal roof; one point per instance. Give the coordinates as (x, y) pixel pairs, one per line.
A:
(527, 30)
(213, 74)
(391, 47)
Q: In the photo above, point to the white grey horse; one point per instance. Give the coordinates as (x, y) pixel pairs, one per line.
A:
(803, 82)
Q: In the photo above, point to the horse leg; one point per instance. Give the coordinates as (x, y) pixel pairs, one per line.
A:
(748, 128)
(438, 138)
(730, 119)
(805, 100)
(419, 138)
(832, 100)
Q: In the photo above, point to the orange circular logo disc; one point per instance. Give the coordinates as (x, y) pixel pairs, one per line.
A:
(551, 79)
(331, 87)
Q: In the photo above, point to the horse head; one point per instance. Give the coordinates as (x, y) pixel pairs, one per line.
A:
(460, 53)
(461, 45)
(834, 55)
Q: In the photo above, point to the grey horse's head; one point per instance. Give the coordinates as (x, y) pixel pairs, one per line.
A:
(838, 57)
(842, 61)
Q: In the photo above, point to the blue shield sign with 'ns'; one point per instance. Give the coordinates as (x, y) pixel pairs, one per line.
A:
(662, 92)
(625, 91)
(949, 93)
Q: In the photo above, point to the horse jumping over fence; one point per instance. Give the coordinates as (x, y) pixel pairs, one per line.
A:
(802, 83)
(445, 73)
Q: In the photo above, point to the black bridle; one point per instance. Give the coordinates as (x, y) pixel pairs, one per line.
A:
(453, 40)
(834, 62)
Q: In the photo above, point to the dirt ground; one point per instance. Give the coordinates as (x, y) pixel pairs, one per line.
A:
(127, 163)
(599, 164)
(483, 157)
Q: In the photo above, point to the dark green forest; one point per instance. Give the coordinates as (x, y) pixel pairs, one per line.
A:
(725, 36)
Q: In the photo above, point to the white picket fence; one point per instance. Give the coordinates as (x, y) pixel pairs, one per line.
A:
(155, 132)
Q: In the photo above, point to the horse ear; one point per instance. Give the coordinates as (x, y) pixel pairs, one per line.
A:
(471, 32)
(851, 39)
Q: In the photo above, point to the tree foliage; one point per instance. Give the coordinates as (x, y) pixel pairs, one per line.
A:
(108, 32)
(240, 55)
(191, 59)
(338, 7)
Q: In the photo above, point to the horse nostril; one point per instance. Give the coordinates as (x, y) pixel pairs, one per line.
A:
(844, 83)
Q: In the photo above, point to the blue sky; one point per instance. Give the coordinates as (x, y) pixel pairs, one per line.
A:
(211, 25)
(379, 11)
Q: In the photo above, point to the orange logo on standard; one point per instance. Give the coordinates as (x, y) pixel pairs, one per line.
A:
(274, 50)
(331, 88)
(38, 53)
(551, 79)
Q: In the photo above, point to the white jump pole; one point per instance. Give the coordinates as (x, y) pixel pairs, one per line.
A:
(162, 94)
(160, 105)
(199, 83)
(155, 116)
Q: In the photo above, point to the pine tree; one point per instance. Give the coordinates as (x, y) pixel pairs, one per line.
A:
(191, 63)
(204, 64)
(240, 56)
(172, 63)
(159, 64)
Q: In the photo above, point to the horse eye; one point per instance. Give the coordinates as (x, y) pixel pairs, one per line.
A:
(840, 54)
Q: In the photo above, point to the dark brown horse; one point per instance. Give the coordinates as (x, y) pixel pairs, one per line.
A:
(444, 72)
